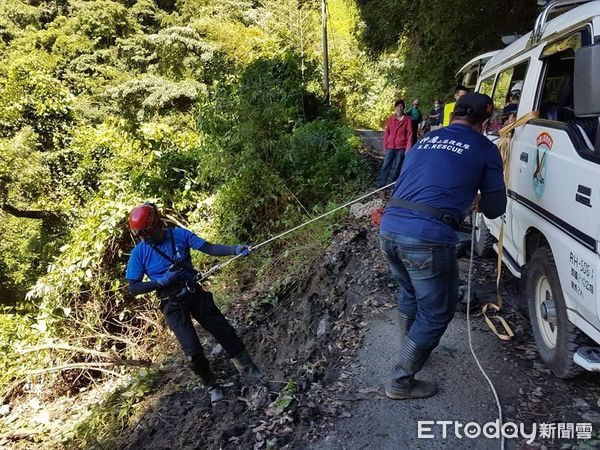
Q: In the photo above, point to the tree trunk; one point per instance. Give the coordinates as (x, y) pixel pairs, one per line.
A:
(29, 214)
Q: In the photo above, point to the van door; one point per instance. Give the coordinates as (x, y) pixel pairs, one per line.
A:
(506, 96)
(557, 181)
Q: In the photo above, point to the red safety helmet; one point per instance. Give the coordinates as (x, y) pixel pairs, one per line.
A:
(143, 219)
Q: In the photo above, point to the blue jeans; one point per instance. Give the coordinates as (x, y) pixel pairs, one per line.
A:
(428, 277)
(392, 163)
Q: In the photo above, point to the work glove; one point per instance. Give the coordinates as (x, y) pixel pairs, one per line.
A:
(242, 249)
(171, 277)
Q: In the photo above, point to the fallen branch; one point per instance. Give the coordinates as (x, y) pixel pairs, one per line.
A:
(19, 434)
(99, 366)
(13, 387)
(29, 214)
(114, 359)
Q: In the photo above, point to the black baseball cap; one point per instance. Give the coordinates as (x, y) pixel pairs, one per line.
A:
(475, 105)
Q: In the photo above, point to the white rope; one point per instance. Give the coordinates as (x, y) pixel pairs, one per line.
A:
(279, 236)
(502, 443)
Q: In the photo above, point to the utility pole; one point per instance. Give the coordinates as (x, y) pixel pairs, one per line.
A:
(325, 52)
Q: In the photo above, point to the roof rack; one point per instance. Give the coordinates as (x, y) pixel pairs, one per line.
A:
(553, 6)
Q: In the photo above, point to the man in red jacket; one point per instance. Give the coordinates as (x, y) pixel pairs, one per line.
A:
(397, 139)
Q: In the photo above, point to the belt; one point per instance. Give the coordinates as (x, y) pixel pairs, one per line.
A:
(439, 214)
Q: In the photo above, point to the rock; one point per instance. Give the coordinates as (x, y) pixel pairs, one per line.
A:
(332, 442)
(305, 413)
(592, 416)
(236, 430)
(43, 417)
(323, 326)
(359, 210)
(217, 350)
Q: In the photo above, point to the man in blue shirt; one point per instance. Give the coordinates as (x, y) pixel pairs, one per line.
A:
(163, 255)
(438, 184)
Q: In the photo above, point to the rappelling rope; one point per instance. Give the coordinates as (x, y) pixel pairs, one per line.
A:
(470, 276)
(220, 266)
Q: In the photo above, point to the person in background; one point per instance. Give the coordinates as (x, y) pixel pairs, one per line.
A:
(436, 115)
(397, 138)
(415, 116)
(459, 91)
(163, 255)
(509, 112)
(440, 181)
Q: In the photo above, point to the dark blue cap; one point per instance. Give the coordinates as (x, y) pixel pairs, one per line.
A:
(474, 105)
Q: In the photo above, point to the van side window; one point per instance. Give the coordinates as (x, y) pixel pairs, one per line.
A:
(556, 99)
(486, 86)
(507, 94)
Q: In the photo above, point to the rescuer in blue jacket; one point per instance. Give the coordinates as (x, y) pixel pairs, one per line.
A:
(440, 179)
(163, 255)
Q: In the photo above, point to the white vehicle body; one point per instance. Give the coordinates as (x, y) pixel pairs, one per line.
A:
(554, 165)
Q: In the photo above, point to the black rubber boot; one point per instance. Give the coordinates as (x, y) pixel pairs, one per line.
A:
(201, 367)
(404, 323)
(246, 367)
(403, 384)
(474, 305)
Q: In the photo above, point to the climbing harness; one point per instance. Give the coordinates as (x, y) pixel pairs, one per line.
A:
(470, 276)
(505, 147)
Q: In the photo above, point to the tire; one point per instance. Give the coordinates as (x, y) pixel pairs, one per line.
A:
(558, 339)
(484, 241)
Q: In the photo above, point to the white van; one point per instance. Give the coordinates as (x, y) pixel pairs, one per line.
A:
(552, 222)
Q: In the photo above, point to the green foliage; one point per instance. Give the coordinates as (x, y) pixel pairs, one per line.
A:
(115, 414)
(142, 98)
(147, 14)
(24, 257)
(104, 21)
(180, 50)
(275, 156)
(15, 15)
(31, 96)
(438, 39)
(18, 330)
(286, 396)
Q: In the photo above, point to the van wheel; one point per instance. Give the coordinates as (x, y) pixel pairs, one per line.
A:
(556, 338)
(484, 241)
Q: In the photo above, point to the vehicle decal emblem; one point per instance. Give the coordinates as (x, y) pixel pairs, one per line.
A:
(544, 144)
